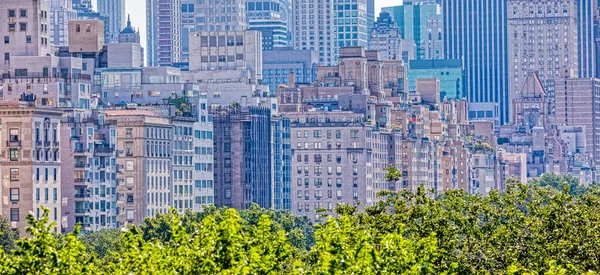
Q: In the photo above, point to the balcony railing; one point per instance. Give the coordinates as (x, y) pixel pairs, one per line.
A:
(47, 143)
(81, 165)
(81, 210)
(104, 150)
(81, 196)
(38, 143)
(81, 150)
(79, 180)
(56, 144)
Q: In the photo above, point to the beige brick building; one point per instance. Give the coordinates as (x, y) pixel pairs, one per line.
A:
(31, 162)
(542, 37)
(144, 144)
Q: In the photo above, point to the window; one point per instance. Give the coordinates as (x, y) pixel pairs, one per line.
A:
(23, 26)
(22, 13)
(14, 174)
(6, 58)
(129, 198)
(14, 194)
(129, 214)
(88, 28)
(12, 27)
(14, 214)
(28, 38)
(11, 13)
(6, 39)
(14, 154)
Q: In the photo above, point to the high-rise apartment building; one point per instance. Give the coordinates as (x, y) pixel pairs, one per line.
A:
(144, 164)
(269, 17)
(542, 37)
(89, 182)
(350, 20)
(61, 12)
(203, 154)
(477, 34)
(413, 19)
(314, 28)
(243, 168)
(24, 31)
(31, 162)
(163, 32)
(577, 102)
(338, 158)
(386, 37)
(114, 10)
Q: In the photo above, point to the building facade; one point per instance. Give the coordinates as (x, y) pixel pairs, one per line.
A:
(269, 17)
(469, 28)
(144, 164)
(386, 38)
(25, 30)
(413, 19)
(351, 27)
(89, 182)
(448, 71)
(31, 162)
(279, 64)
(114, 11)
(163, 32)
(543, 37)
(61, 13)
(242, 147)
(315, 29)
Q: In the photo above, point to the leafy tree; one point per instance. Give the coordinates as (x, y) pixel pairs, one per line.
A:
(8, 235)
(102, 243)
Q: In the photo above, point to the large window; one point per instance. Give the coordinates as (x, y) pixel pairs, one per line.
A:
(14, 214)
(14, 154)
(14, 194)
(14, 134)
(14, 174)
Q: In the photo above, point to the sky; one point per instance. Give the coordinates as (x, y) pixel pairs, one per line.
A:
(137, 10)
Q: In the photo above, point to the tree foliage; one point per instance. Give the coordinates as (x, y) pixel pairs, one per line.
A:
(542, 228)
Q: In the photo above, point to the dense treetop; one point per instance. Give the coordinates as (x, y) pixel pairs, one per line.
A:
(550, 226)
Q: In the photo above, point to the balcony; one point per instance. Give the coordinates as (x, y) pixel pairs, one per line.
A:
(79, 180)
(81, 196)
(56, 144)
(81, 165)
(47, 143)
(81, 210)
(104, 150)
(38, 143)
(129, 154)
(81, 150)
(13, 143)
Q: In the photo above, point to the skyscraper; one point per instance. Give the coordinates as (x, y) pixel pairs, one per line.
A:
(586, 10)
(163, 32)
(114, 10)
(542, 37)
(476, 32)
(314, 28)
(350, 24)
(386, 37)
(268, 17)
(370, 14)
(413, 17)
(61, 12)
